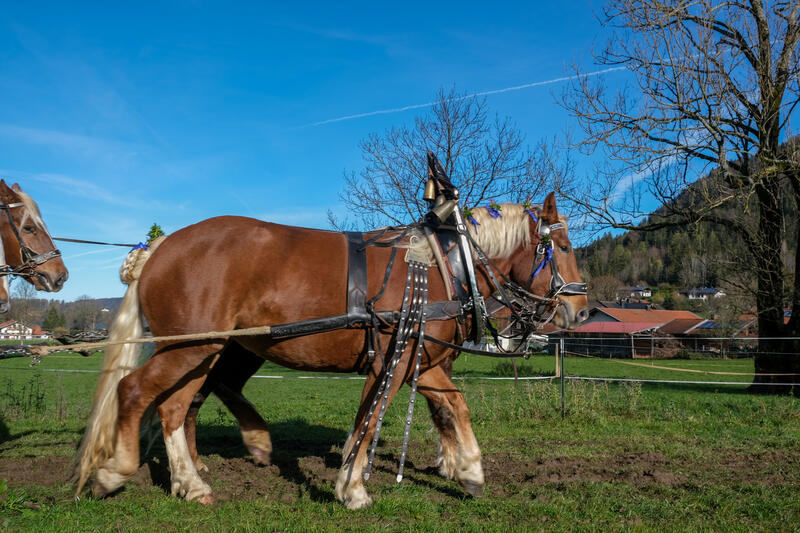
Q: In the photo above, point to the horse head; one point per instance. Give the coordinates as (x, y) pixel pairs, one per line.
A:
(29, 249)
(530, 246)
(564, 280)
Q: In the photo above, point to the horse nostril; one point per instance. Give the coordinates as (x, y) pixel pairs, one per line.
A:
(5, 307)
(60, 279)
(583, 314)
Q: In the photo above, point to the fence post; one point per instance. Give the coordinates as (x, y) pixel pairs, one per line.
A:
(558, 361)
(561, 357)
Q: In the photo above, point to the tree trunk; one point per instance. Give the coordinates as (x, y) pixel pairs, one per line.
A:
(777, 358)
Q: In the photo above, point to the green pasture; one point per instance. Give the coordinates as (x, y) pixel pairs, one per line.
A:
(629, 456)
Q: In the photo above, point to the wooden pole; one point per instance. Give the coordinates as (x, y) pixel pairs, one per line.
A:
(558, 362)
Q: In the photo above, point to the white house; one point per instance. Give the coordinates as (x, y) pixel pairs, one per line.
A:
(704, 293)
(14, 330)
(634, 292)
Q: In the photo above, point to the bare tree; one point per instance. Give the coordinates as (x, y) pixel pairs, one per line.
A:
(84, 313)
(604, 287)
(485, 158)
(25, 307)
(713, 86)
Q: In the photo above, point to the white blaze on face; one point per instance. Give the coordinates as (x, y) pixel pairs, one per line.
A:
(32, 215)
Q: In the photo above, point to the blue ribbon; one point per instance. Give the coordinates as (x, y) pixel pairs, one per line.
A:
(474, 222)
(548, 255)
(535, 220)
(493, 212)
(140, 246)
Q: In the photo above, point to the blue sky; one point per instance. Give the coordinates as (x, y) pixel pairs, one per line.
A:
(113, 118)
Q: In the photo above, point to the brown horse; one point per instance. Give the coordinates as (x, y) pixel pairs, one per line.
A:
(27, 249)
(230, 273)
(237, 365)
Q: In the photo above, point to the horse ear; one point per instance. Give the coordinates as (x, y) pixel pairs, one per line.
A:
(549, 210)
(16, 187)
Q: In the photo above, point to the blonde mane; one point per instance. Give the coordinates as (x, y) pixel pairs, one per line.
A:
(499, 237)
(31, 210)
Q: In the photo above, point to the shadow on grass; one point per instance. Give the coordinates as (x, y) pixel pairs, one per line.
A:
(427, 477)
(292, 440)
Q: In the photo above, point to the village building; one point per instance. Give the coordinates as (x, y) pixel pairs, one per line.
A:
(17, 331)
(653, 333)
(634, 292)
(703, 293)
(619, 332)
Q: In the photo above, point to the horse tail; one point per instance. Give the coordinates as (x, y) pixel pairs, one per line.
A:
(98, 441)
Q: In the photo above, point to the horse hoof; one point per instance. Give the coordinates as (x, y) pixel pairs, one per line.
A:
(358, 503)
(107, 481)
(260, 456)
(99, 491)
(206, 499)
(474, 489)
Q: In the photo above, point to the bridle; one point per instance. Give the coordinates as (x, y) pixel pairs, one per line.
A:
(30, 259)
(528, 309)
(544, 256)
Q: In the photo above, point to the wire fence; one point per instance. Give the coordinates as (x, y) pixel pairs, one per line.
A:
(603, 349)
(710, 349)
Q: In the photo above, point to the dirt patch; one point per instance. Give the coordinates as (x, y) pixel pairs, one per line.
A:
(637, 469)
(294, 474)
(46, 471)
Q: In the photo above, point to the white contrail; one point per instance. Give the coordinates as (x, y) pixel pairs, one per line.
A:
(482, 93)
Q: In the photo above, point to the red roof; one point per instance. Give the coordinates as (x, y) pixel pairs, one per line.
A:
(616, 327)
(646, 315)
(680, 326)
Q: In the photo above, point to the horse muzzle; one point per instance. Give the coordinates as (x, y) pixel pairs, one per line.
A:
(567, 317)
(50, 281)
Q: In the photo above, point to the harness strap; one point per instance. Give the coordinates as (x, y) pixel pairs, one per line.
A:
(373, 341)
(356, 274)
(472, 350)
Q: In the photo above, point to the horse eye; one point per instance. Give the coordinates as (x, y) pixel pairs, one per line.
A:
(29, 229)
(565, 249)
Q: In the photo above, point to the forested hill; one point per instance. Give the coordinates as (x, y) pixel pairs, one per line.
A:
(701, 255)
(679, 257)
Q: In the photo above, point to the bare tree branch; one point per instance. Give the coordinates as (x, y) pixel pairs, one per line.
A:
(485, 158)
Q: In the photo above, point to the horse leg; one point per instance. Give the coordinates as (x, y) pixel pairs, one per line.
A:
(185, 480)
(350, 483)
(234, 367)
(160, 377)
(459, 455)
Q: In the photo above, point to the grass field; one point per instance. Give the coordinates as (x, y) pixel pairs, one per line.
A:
(627, 456)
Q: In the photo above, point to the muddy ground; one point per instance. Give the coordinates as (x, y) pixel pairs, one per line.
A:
(303, 467)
